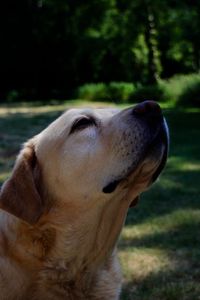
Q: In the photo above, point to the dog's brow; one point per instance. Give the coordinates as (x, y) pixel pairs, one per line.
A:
(85, 120)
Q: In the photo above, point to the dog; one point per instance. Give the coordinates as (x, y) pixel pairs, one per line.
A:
(63, 208)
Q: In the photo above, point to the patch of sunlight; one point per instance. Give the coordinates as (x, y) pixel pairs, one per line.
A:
(165, 106)
(51, 108)
(30, 110)
(191, 110)
(168, 183)
(4, 176)
(182, 165)
(161, 224)
(188, 166)
(96, 104)
(142, 262)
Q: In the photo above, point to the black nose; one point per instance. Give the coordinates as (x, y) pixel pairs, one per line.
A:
(149, 110)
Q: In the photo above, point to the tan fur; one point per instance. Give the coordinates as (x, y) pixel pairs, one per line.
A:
(58, 230)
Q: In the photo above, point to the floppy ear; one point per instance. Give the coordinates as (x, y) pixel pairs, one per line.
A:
(19, 194)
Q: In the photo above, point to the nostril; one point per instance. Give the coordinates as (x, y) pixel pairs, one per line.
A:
(148, 108)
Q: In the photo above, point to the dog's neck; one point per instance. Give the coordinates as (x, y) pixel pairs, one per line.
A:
(73, 250)
(85, 240)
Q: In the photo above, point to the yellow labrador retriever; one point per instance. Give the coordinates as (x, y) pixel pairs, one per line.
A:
(65, 203)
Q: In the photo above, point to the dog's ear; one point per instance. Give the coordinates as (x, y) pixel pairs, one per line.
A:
(19, 194)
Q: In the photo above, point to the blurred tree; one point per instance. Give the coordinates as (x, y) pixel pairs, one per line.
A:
(48, 47)
(190, 25)
(179, 37)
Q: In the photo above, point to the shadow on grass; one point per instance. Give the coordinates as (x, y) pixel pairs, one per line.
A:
(179, 280)
(17, 122)
(185, 235)
(178, 189)
(184, 134)
(15, 129)
(21, 126)
(181, 283)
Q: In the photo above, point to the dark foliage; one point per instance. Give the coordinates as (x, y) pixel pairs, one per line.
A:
(49, 47)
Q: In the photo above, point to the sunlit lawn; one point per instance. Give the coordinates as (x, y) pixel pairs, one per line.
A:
(160, 244)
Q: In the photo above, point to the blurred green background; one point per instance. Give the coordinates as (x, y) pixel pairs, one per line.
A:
(114, 50)
(59, 54)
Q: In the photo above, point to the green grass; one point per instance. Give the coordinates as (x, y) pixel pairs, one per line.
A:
(160, 244)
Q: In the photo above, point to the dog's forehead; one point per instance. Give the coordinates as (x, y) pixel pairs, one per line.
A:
(59, 129)
(100, 113)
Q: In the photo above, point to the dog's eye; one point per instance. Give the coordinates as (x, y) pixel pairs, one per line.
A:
(82, 123)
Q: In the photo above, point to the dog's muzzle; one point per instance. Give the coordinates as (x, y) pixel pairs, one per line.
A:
(150, 113)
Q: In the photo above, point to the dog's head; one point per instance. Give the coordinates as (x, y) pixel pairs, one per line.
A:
(88, 159)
